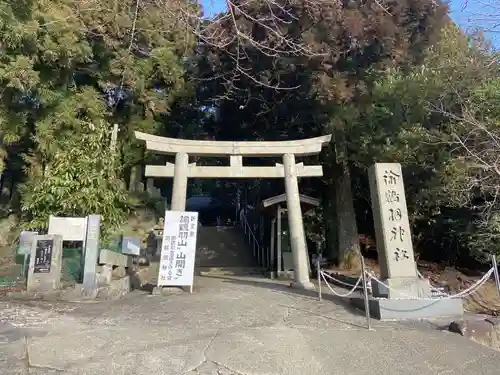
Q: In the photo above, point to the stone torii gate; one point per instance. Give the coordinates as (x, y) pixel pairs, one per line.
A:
(289, 170)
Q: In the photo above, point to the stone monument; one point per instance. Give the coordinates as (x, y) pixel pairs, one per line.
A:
(403, 295)
(91, 254)
(44, 272)
(393, 237)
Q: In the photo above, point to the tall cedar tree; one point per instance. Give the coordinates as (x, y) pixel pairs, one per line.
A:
(263, 90)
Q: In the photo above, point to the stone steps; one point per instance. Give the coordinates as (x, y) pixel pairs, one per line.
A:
(223, 247)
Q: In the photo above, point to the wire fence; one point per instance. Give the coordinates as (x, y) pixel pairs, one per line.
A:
(366, 279)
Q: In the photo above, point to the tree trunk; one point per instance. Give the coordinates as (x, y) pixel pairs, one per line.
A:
(347, 229)
(329, 203)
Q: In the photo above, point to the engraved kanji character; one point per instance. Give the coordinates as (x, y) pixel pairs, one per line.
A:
(390, 177)
(391, 196)
(397, 232)
(395, 214)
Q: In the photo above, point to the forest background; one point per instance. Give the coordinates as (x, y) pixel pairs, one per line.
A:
(393, 81)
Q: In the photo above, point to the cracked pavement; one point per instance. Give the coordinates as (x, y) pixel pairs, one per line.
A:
(229, 326)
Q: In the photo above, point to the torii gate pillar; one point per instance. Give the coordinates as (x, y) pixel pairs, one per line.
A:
(296, 225)
(179, 188)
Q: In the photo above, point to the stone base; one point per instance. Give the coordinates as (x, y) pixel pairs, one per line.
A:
(410, 309)
(289, 275)
(115, 290)
(402, 288)
(166, 290)
(307, 285)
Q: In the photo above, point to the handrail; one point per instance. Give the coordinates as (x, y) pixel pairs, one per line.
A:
(256, 248)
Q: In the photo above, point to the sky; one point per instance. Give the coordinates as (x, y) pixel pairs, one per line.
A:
(466, 13)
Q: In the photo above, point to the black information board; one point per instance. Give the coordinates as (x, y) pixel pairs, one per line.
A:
(43, 256)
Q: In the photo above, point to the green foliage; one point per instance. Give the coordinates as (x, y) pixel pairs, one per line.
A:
(79, 180)
(390, 85)
(440, 120)
(68, 71)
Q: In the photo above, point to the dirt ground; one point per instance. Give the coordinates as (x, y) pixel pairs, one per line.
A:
(485, 301)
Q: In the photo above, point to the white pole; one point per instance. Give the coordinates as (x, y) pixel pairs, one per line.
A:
(365, 292)
(495, 272)
(318, 271)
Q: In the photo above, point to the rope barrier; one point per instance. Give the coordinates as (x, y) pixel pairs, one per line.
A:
(337, 280)
(472, 289)
(336, 293)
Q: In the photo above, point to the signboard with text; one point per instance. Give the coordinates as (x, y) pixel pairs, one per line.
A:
(178, 249)
(43, 256)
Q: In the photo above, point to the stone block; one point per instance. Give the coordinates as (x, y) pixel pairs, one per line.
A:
(104, 275)
(119, 273)
(115, 290)
(411, 309)
(114, 259)
(140, 276)
(402, 288)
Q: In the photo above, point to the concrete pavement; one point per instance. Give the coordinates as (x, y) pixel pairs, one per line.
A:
(234, 326)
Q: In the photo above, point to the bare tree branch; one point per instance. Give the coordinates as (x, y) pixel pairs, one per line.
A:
(481, 14)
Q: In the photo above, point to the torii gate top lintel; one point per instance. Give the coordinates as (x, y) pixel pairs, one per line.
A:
(172, 146)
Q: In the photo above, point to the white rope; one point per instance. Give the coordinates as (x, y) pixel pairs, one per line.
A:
(472, 289)
(338, 294)
(337, 280)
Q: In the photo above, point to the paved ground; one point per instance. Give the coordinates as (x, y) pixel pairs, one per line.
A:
(238, 326)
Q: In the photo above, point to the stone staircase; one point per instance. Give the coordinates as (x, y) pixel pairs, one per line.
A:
(223, 251)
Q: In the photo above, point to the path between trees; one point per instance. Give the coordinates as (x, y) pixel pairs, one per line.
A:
(227, 327)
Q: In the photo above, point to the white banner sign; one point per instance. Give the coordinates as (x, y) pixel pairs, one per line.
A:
(178, 249)
(70, 228)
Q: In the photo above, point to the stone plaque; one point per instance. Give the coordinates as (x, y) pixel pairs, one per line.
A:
(44, 273)
(392, 227)
(43, 256)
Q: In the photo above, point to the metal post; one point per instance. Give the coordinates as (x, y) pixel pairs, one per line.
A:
(495, 272)
(365, 292)
(318, 271)
(278, 238)
(25, 266)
